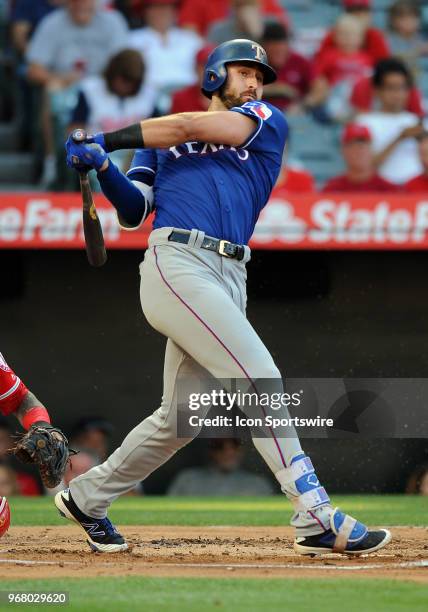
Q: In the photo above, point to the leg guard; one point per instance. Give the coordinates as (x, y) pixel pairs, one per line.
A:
(309, 498)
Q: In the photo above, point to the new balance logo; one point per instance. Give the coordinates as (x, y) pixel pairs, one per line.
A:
(91, 528)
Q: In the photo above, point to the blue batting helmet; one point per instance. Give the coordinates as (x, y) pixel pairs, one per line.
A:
(238, 50)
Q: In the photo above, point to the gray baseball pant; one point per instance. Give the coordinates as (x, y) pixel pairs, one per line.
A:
(197, 299)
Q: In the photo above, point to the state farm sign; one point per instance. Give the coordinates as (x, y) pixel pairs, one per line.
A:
(299, 222)
(355, 221)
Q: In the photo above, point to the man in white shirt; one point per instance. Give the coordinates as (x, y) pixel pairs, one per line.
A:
(394, 130)
(168, 51)
(74, 41)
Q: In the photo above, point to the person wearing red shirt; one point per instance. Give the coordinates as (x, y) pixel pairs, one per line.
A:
(199, 15)
(374, 41)
(191, 99)
(293, 180)
(294, 72)
(336, 72)
(360, 175)
(419, 184)
(363, 98)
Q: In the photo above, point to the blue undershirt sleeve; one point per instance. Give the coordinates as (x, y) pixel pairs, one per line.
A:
(127, 199)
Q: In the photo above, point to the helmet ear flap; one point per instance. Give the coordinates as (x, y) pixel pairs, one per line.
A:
(214, 78)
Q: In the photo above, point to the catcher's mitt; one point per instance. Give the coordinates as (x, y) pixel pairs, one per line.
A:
(47, 447)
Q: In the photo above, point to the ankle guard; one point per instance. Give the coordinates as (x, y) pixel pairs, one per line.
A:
(300, 483)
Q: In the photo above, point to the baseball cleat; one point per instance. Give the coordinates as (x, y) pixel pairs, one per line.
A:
(346, 536)
(101, 535)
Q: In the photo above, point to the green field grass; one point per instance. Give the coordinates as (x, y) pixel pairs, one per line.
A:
(229, 594)
(276, 510)
(237, 595)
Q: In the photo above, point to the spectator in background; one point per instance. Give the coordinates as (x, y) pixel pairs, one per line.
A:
(374, 41)
(8, 482)
(419, 184)
(168, 51)
(120, 97)
(67, 45)
(292, 179)
(293, 70)
(73, 42)
(191, 99)
(405, 36)
(337, 71)
(360, 174)
(92, 434)
(363, 98)
(393, 129)
(223, 476)
(25, 17)
(418, 481)
(90, 437)
(199, 15)
(246, 21)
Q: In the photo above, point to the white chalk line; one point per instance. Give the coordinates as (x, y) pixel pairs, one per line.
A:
(367, 566)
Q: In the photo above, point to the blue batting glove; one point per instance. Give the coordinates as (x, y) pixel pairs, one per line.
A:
(97, 139)
(84, 156)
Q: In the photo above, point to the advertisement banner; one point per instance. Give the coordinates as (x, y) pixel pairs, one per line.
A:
(312, 221)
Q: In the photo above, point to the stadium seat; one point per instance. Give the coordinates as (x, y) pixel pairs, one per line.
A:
(315, 146)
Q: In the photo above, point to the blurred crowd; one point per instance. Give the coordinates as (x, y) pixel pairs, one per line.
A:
(102, 64)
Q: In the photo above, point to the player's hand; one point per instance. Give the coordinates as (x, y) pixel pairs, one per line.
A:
(83, 156)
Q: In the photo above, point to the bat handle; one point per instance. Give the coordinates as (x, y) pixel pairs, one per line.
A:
(79, 136)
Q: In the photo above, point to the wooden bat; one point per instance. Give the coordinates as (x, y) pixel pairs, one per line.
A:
(94, 239)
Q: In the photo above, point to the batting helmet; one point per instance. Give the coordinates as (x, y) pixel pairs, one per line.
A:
(238, 50)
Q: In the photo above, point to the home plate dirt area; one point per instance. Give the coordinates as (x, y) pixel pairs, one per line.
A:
(54, 552)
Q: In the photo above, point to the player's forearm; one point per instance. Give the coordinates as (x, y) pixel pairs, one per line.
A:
(164, 132)
(29, 403)
(127, 199)
(159, 133)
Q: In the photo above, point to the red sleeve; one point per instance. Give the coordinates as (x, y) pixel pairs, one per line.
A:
(324, 65)
(362, 95)
(326, 44)
(376, 45)
(12, 389)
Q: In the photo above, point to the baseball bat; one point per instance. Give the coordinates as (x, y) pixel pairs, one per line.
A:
(94, 239)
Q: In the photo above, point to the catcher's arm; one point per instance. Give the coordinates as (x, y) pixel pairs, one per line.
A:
(44, 445)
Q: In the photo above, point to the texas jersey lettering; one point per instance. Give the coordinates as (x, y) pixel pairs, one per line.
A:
(217, 188)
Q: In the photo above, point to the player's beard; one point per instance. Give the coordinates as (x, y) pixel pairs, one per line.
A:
(230, 100)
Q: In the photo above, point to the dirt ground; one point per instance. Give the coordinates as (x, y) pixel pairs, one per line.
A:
(54, 552)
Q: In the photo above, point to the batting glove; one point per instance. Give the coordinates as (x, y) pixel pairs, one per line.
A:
(84, 156)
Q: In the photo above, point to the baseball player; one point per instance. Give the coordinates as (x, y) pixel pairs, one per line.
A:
(42, 444)
(206, 175)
